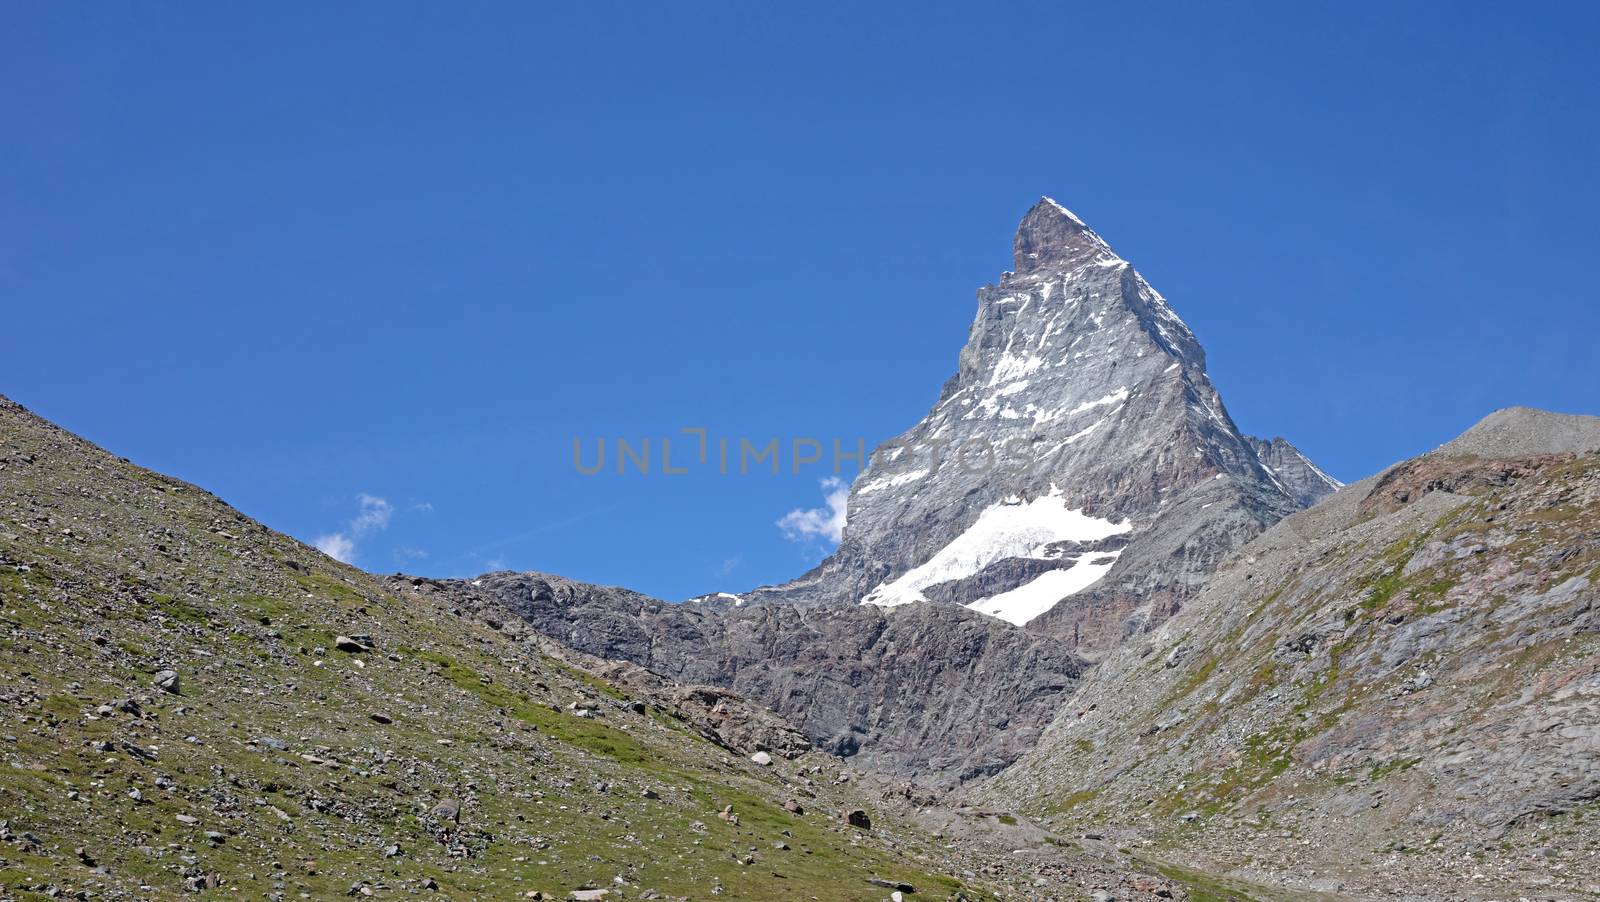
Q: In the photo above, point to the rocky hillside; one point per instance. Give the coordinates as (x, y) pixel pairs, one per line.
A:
(194, 704)
(930, 691)
(1398, 687)
(1079, 452)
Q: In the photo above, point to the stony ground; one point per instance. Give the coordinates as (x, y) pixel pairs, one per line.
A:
(193, 704)
(1394, 694)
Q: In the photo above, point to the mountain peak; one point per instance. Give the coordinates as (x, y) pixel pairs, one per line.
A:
(1103, 436)
(1052, 237)
(1519, 431)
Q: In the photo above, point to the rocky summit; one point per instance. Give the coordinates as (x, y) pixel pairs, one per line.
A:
(1079, 473)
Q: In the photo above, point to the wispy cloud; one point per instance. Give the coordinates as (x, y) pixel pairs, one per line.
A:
(337, 545)
(730, 565)
(827, 522)
(374, 516)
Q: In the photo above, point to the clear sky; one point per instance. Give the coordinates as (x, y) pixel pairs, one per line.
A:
(366, 270)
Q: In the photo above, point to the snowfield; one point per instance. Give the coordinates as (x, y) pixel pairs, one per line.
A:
(1007, 530)
(1031, 599)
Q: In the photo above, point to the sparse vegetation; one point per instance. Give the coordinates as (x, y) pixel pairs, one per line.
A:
(283, 763)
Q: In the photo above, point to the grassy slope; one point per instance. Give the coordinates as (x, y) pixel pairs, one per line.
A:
(1255, 730)
(109, 573)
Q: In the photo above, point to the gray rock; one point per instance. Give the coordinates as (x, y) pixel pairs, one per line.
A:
(931, 691)
(167, 681)
(1293, 471)
(1413, 649)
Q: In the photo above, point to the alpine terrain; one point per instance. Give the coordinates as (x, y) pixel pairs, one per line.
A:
(195, 706)
(1081, 639)
(1079, 452)
(1397, 688)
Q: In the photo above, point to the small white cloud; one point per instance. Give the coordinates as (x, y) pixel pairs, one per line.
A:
(801, 525)
(494, 564)
(425, 507)
(337, 546)
(374, 516)
(730, 565)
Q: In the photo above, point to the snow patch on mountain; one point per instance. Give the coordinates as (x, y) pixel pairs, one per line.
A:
(891, 481)
(1013, 366)
(1115, 397)
(1033, 598)
(1012, 528)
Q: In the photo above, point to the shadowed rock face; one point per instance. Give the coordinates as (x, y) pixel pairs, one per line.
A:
(1085, 385)
(930, 691)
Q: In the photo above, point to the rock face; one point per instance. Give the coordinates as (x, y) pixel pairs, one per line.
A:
(1080, 452)
(1416, 656)
(929, 691)
(1293, 471)
(716, 714)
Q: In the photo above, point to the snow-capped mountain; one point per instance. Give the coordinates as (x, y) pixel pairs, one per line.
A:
(1080, 452)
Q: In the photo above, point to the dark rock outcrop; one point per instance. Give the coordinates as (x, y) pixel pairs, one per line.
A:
(930, 691)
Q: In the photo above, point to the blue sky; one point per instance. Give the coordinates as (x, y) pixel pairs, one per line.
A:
(368, 269)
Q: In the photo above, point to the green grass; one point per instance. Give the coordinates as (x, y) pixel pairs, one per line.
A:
(585, 733)
(1398, 765)
(1204, 887)
(179, 610)
(1072, 800)
(241, 629)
